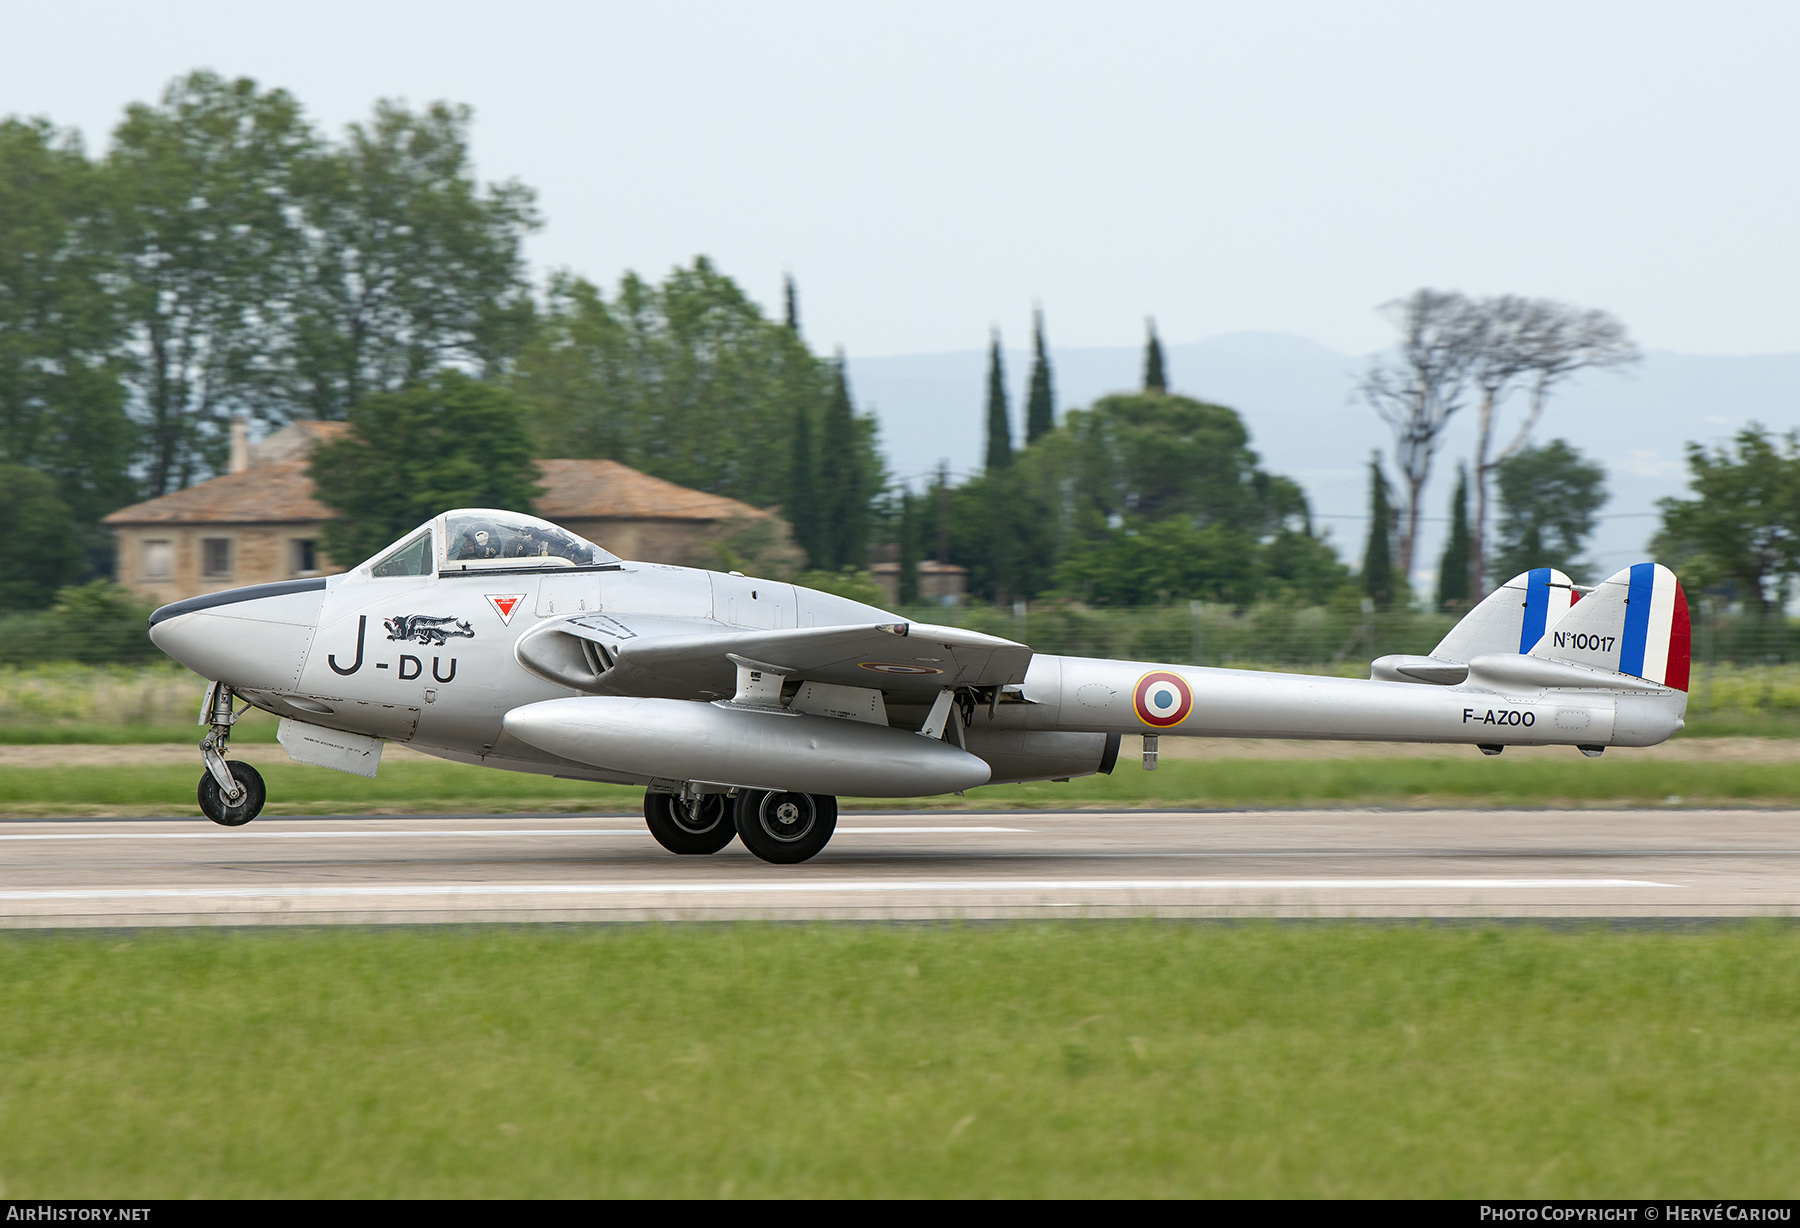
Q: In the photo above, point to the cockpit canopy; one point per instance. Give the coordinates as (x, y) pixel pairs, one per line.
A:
(486, 539)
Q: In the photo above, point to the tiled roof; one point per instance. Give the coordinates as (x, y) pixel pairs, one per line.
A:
(573, 490)
(273, 493)
(584, 489)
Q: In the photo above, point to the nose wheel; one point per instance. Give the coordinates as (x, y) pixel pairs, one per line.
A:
(232, 792)
(229, 812)
(785, 828)
(688, 826)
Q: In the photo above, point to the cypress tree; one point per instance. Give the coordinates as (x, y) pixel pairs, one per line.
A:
(909, 548)
(999, 427)
(1155, 375)
(793, 304)
(1040, 410)
(940, 493)
(802, 506)
(843, 501)
(1453, 570)
(1378, 557)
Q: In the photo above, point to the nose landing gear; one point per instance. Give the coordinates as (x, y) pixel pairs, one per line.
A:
(231, 793)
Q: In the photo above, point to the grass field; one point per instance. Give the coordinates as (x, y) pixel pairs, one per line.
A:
(432, 787)
(1055, 1059)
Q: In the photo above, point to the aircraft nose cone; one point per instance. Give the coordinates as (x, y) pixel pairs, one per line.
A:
(256, 638)
(242, 652)
(182, 638)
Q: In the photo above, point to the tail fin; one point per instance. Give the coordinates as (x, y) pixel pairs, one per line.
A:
(1510, 619)
(1635, 623)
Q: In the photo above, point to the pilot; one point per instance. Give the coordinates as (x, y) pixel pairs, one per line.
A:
(528, 544)
(478, 542)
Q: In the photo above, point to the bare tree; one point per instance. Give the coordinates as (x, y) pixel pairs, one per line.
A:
(1531, 345)
(1419, 388)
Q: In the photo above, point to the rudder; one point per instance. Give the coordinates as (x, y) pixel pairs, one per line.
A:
(1635, 622)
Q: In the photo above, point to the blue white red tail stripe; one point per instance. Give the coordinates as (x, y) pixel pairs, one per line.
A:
(1537, 608)
(1635, 623)
(1637, 618)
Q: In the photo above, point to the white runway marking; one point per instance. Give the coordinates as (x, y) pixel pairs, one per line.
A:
(823, 886)
(548, 831)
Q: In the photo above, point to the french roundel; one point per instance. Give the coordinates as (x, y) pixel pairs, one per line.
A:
(1163, 699)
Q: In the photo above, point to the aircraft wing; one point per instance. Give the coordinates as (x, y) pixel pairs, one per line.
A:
(909, 661)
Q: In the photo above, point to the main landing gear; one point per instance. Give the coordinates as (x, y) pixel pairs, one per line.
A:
(783, 828)
(231, 793)
(689, 825)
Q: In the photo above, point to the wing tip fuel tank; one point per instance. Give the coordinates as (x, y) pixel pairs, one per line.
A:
(721, 743)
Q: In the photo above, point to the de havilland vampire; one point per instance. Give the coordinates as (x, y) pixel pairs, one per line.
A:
(744, 707)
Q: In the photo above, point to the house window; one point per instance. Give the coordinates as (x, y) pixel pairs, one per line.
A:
(159, 560)
(215, 554)
(305, 555)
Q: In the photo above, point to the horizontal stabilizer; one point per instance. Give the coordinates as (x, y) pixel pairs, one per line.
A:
(1508, 671)
(1634, 623)
(1512, 619)
(1404, 668)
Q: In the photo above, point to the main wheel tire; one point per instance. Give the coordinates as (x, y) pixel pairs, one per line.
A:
(706, 829)
(213, 803)
(785, 828)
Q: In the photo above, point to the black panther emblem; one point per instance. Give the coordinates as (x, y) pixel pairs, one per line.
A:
(428, 629)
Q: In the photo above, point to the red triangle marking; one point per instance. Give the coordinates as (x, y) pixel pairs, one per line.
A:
(504, 606)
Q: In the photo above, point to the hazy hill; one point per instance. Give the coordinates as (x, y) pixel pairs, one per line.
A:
(1297, 398)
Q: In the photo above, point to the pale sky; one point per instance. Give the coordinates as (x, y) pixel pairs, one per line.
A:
(928, 170)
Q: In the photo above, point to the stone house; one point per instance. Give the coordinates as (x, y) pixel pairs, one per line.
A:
(259, 522)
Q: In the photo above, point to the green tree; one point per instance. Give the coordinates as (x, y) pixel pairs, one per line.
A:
(43, 550)
(1301, 566)
(686, 380)
(801, 505)
(1164, 560)
(1378, 558)
(448, 441)
(1549, 497)
(1040, 406)
(848, 481)
(991, 529)
(1080, 511)
(857, 585)
(1453, 568)
(791, 302)
(1741, 531)
(1156, 456)
(908, 534)
(408, 263)
(201, 194)
(1156, 379)
(999, 424)
(62, 400)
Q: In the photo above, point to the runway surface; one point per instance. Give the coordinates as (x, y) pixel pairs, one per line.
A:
(1347, 863)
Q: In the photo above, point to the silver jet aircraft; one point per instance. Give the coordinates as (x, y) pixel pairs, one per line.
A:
(744, 707)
